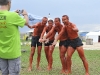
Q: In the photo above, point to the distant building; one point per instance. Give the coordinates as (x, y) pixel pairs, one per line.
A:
(82, 35)
(93, 35)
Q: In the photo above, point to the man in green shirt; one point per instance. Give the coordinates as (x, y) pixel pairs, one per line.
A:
(10, 48)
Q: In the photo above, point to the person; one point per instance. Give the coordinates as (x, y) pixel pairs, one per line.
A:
(47, 48)
(57, 28)
(10, 48)
(74, 43)
(38, 28)
(26, 38)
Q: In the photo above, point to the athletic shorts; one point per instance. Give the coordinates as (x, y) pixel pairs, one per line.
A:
(35, 41)
(49, 43)
(10, 66)
(76, 43)
(64, 43)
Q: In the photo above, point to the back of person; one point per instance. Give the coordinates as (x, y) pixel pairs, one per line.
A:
(9, 34)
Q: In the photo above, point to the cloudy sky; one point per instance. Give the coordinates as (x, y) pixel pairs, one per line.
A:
(84, 13)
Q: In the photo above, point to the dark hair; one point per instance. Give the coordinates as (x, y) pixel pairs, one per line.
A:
(45, 17)
(50, 21)
(58, 19)
(4, 2)
(66, 16)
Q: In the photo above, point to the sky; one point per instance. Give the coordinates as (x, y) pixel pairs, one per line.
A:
(84, 13)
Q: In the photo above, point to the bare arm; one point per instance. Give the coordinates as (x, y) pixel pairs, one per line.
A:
(26, 18)
(75, 28)
(50, 32)
(50, 37)
(29, 26)
(24, 13)
(60, 34)
(33, 26)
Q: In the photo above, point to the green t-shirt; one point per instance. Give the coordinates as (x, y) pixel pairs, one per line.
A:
(10, 47)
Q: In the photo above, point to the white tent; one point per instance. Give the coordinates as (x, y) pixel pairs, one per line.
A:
(93, 35)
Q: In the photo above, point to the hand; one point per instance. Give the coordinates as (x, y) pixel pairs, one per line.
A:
(46, 41)
(29, 26)
(40, 40)
(74, 29)
(54, 43)
(24, 12)
(51, 47)
(17, 11)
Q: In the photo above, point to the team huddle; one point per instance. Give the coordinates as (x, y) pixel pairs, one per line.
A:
(69, 42)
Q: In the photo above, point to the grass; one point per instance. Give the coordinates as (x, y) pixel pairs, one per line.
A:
(93, 57)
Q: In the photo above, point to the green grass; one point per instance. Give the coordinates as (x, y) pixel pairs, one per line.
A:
(93, 57)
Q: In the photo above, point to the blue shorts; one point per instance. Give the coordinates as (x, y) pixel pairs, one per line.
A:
(10, 66)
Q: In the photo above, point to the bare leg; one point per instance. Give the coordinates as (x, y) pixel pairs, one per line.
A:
(65, 63)
(82, 56)
(47, 54)
(62, 57)
(39, 56)
(70, 52)
(51, 49)
(31, 58)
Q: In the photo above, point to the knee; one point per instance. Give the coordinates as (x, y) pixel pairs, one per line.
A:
(68, 57)
(62, 56)
(32, 53)
(83, 59)
(50, 55)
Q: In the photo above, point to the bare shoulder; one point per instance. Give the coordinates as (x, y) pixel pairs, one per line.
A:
(64, 27)
(53, 28)
(38, 24)
(46, 27)
(72, 24)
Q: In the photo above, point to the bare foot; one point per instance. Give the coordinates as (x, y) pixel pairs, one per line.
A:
(49, 69)
(38, 68)
(67, 73)
(47, 66)
(62, 72)
(29, 69)
(87, 74)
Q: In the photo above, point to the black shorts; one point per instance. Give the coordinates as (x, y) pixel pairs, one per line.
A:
(35, 41)
(67, 42)
(64, 43)
(76, 43)
(49, 43)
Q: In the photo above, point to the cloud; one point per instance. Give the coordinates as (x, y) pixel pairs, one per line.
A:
(84, 13)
